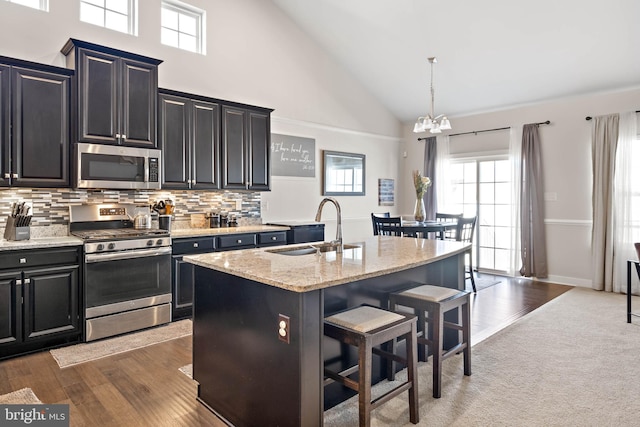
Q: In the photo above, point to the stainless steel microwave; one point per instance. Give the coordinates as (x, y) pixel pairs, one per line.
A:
(116, 166)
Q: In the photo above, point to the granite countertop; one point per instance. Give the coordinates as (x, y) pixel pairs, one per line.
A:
(39, 242)
(199, 232)
(376, 256)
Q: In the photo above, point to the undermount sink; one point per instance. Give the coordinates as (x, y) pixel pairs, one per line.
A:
(310, 249)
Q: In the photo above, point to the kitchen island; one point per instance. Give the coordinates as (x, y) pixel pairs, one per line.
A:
(258, 344)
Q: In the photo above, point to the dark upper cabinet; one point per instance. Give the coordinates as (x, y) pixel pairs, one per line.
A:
(259, 150)
(5, 125)
(246, 139)
(116, 95)
(234, 149)
(34, 124)
(189, 135)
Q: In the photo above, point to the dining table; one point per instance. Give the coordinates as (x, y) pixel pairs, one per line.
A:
(422, 228)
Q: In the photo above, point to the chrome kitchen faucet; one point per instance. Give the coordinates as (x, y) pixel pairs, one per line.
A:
(338, 241)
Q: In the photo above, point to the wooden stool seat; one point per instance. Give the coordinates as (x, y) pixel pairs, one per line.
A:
(435, 301)
(366, 327)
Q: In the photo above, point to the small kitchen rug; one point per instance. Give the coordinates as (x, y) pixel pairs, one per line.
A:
(187, 370)
(24, 396)
(81, 353)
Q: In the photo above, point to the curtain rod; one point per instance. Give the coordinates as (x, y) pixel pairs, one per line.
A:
(589, 117)
(475, 132)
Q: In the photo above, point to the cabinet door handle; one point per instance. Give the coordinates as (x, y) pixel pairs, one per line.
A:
(117, 136)
(7, 175)
(27, 281)
(18, 282)
(23, 260)
(239, 241)
(14, 175)
(195, 245)
(124, 136)
(274, 238)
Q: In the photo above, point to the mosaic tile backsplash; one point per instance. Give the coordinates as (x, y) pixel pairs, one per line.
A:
(50, 207)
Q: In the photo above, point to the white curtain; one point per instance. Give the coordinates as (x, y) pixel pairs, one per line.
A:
(443, 180)
(604, 142)
(626, 206)
(515, 158)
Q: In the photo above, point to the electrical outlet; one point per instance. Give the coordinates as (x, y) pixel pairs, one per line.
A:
(239, 204)
(283, 328)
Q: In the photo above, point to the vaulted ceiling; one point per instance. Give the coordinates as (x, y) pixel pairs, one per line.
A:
(492, 54)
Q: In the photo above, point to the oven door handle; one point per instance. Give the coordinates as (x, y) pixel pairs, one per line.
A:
(115, 256)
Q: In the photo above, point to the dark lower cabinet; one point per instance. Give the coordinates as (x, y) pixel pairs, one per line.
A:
(39, 299)
(34, 124)
(182, 273)
(182, 278)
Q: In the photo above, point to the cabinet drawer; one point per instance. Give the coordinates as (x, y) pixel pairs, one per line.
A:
(306, 234)
(34, 258)
(272, 238)
(236, 241)
(192, 245)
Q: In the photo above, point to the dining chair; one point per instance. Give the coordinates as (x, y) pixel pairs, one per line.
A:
(378, 215)
(630, 265)
(387, 226)
(447, 217)
(464, 233)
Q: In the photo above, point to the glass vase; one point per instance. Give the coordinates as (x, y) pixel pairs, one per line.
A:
(419, 213)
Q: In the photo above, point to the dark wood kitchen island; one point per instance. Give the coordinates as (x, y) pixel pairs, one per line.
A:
(258, 344)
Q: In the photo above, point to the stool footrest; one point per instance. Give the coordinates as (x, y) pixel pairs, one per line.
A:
(453, 350)
(390, 394)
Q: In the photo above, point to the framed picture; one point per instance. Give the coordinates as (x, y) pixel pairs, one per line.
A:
(344, 174)
(386, 192)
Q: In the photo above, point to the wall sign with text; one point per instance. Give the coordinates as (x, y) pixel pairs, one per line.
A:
(293, 156)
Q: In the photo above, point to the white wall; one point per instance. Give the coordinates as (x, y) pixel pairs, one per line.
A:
(566, 158)
(255, 55)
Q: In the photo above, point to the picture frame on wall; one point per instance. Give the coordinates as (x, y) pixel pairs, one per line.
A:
(344, 174)
(386, 192)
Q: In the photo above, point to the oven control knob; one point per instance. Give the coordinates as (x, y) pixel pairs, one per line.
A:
(159, 242)
(149, 242)
(100, 247)
(111, 246)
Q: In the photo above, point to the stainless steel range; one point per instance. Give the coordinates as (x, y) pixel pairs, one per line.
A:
(127, 268)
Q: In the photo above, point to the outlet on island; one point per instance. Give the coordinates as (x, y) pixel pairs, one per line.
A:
(283, 328)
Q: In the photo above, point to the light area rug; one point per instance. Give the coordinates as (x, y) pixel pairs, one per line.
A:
(86, 352)
(572, 362)
(24, 396)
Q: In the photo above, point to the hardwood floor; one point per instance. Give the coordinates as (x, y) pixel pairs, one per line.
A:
(145, 387)
(499, 305)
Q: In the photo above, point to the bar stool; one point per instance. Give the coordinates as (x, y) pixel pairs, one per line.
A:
(366, 327)
(436, 301)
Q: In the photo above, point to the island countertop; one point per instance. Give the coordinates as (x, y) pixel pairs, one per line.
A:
(375, 256)
(200, 232)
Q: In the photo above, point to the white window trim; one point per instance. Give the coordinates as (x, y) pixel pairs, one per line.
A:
(199, 14)
(43, 5)
(132, 17)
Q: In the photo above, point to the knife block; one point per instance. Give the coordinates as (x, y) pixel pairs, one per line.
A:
(11, 232)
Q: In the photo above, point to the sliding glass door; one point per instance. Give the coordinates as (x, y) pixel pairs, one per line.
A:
(482, 187)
